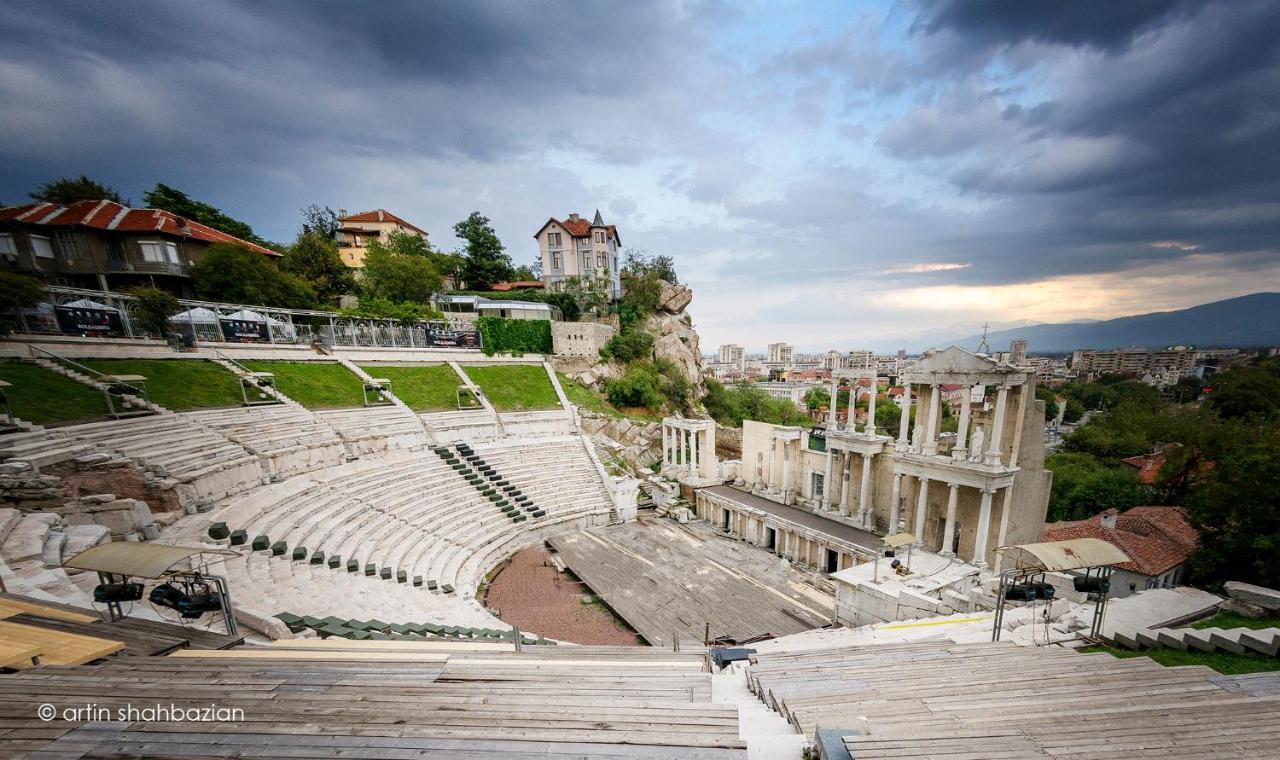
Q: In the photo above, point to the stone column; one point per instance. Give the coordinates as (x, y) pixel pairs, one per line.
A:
(693, 452)
(871, 409)
(961, 449)
(846, 464)
(904, 420)
(827, 485)
(895, 503)
(997, 425)
(864, 490)
(922, 505)
(984, 527)
(949, 532)
(832, 417)
(786, 468)
(666, 445)
(769, 482)
(931, 426)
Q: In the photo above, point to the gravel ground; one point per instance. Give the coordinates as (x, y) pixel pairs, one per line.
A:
(532, 595)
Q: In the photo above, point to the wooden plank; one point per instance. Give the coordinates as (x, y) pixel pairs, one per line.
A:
(308, 655)
(390, 646)
(17, 655)
(10, 606)
(58, 647)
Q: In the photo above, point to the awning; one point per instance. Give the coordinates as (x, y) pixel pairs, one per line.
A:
(198, 315)
(1076, 554)
(85, 303)
(137, 560)
(898, 539)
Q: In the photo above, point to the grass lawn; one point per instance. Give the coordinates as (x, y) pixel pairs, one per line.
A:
(178, 384)
(424, 389)
(47, 398)
(1226, 663)
(315, 385)
(584, 397)
(515, 387)
(1232, 620)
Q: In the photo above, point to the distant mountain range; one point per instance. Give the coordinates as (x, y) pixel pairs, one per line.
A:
(1252, 320)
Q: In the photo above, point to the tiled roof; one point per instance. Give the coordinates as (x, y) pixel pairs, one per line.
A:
(380, 215)
(108, 215)
(503, 286)
(578, 228)
(1156, 539)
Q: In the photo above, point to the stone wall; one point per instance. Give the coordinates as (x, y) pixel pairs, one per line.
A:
(638, 444)
(583, 339)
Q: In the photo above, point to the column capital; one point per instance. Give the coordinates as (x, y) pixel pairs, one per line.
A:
(953, 486)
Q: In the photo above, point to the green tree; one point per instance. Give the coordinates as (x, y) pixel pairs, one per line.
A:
(17, 291)
(1237, 512)
(637, 263)
(155, 307)
(322, 222)
(639, 386)
(748, 401)
(404, 312)
(1083, 486)
(524, 273)
(628, 345)
(1244, 392)
(226, 272)
(177, 202)
(486, 260)
(1186, 389)
(590, 295)
(315, 259)
(399, 278)
(67, 190)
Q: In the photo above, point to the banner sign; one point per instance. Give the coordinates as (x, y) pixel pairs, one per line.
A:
(78, 320)
(244, 331)
(453, 338)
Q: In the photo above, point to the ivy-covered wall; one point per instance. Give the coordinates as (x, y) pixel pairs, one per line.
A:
(521, 336)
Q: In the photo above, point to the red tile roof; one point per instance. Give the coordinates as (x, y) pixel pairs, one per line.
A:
(380, 215)
(1157, 539)
(503, 286)
(580, 228)
(108, 215)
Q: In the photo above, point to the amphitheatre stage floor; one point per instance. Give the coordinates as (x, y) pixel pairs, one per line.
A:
(816, 522)
(668, 579)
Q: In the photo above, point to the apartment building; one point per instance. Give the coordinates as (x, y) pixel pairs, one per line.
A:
(731, 353)
(780, 353)
(577, 248)
(357, 230)
(1134, 362)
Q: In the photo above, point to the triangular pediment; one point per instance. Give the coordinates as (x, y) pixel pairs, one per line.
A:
(956, 359)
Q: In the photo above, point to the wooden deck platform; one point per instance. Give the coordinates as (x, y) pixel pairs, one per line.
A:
(141, 637)
(645, 704)
(981, 701)
(668, 579)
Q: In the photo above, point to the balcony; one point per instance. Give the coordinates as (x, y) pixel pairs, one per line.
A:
(149, 267)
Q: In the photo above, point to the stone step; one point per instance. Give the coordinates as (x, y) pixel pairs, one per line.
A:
(1228, 640)
(1263, 641)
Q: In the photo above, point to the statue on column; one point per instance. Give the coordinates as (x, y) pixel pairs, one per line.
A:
(975, 445)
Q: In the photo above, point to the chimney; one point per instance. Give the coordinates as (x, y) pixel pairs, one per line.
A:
(1108, 519)
(342, 212)
(573, 217)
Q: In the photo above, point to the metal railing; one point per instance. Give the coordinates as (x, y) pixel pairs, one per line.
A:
(210, 323)
(110, 386)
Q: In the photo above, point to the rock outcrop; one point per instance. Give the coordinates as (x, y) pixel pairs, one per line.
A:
(674, 337)
(638, 444)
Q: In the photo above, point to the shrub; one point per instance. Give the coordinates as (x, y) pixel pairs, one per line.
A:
(628, 346)
(514, 335)
(226, 272)
(155, 307)
(640, 386)
(17, 291)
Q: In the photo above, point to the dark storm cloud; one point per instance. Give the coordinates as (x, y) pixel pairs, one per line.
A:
(1104, 24)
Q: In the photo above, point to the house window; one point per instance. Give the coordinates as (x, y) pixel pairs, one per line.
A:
(42, 246)
(553, 238)
(159, 251)
(601, 261)
(555, 261)
(7, 248)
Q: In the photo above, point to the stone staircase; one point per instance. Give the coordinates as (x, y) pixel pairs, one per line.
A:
(128, 401)
(42, 448)
(241, 372)
(1263, 641)
(390, 395)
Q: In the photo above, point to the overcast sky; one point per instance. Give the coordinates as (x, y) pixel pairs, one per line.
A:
(827, 174)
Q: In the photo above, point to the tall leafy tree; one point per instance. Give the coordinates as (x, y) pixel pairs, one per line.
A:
(396, 277)
(230, 273)
(65, 190)
(177, 202)
(315, 259)
(486, 260)
(320, 221)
